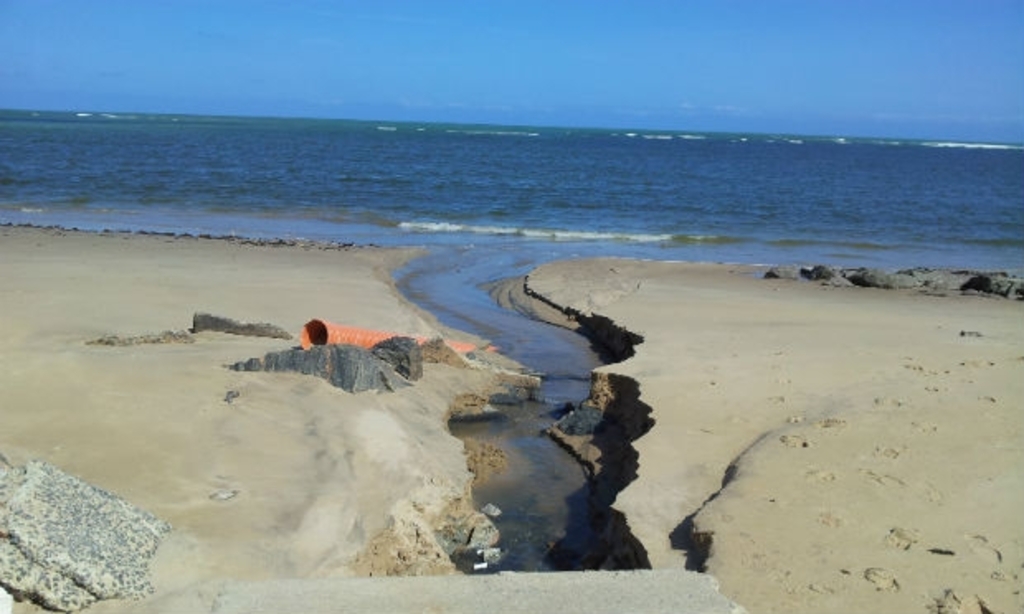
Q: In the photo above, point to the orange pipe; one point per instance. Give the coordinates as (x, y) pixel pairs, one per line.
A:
(322, 332)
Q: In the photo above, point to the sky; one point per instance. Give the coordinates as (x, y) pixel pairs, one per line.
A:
(937, 69)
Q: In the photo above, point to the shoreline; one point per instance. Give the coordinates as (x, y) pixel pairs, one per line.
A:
(763, 353)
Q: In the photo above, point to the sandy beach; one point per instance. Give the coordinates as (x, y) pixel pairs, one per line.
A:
(815, 449)
(832, 449)
(288, 476)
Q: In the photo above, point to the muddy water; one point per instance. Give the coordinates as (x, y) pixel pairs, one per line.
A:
(543, 493)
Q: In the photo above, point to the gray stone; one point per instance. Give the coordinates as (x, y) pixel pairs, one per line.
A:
(467, 533)
(208, 322)
(995, 283)
(491, 556)
(783, 272)
(583, 420)
(348, 367)
(483, 533)
(877, 278)
(819, 272)
(403, 354)
(66, 543)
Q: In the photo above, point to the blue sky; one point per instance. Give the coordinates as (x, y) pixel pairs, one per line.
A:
(901, 68)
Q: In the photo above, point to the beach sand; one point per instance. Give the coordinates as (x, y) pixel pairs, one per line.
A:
(289, 477)
(833, 449)
(871, 454)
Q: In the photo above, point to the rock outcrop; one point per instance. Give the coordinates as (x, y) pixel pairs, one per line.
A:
(348, 367)
(208, 322)
(928, 280)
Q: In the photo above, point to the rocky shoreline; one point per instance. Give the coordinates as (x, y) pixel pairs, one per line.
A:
(936, 281)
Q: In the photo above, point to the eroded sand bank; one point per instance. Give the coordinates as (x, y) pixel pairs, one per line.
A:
(827, 449)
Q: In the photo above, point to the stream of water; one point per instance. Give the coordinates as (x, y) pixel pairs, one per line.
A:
(543, 493)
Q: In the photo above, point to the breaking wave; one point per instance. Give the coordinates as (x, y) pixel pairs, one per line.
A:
(534, 233)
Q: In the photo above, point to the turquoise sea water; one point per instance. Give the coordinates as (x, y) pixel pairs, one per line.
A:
(663, 195)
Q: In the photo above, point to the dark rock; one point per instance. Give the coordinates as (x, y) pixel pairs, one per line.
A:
(877, 278)
(208, 322)
(995, 283)
(783, 272)
(348, 367)
(819, 272)
(512, 394)
(583, 420)
(66, 544)
(403, 354)
(937, 279)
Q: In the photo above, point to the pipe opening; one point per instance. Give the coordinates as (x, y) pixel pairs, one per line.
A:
(314, 333)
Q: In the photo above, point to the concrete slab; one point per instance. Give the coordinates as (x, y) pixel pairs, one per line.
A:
(650, 591)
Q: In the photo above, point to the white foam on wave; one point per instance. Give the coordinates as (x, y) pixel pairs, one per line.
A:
(533, 233)
(493, 132)
(692, 137)
(658, 137)
(83, 114)
(387, 128)
(956, 144)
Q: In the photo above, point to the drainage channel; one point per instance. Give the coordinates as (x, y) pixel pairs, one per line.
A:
(543, 492)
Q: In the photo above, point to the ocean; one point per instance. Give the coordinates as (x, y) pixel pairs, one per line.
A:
(538, 192)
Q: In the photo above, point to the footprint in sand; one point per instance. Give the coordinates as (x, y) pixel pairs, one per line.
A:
(925, 490)
(929, 492)
(831, 423)
(902, 539)
(883, 579)
(887, 452)
(820, 475)
(977, 363)
(927, 429)
(887, 402)
(829, 519)
(951, 603)
(882, 479)
(794, 441)
(980, 545)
